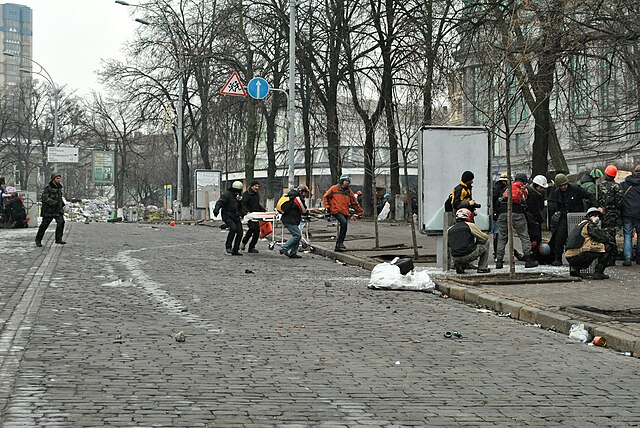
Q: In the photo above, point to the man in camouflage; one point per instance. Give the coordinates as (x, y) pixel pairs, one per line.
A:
(610, 198)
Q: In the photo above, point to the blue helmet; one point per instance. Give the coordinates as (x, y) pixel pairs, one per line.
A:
(345, 177)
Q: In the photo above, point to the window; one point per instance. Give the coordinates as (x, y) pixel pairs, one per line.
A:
(520, 143)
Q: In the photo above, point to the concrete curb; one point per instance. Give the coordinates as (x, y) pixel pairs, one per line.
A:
(557, 321)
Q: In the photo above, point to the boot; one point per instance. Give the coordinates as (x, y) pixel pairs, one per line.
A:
(499, 264)
(518, 256)
(459, 268)
(529, 262)
(340, 248)
(599, 273)
(38, 243)
(575, 272)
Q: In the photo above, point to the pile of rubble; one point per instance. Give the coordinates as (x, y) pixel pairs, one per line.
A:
(101, 210)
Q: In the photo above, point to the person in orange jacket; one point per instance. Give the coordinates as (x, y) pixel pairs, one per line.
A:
(338, 200)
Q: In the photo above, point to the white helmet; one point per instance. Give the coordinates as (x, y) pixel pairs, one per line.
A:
(237, 185)
(541, 180)
(464, 214)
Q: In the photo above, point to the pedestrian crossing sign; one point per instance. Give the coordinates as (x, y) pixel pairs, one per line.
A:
(234, 86)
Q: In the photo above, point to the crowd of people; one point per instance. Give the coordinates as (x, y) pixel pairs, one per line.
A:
(608, 206)
(339, 200)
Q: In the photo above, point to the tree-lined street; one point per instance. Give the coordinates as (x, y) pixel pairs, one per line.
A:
(88, 340)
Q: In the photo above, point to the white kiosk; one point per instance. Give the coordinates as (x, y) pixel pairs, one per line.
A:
(444, 153)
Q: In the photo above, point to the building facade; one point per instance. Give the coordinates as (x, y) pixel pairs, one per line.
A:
(16, 34)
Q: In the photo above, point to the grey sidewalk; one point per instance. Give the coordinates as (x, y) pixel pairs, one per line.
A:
(555, 305)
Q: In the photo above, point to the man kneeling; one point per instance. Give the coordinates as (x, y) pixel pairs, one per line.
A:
(468, 243)
(588, 242)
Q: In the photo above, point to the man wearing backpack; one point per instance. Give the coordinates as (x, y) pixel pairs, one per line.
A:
(631, 214)
(588, 242)
(338, 200)
(293, 209)
(519, 221)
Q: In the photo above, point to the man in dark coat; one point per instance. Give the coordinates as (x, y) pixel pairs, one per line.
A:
(610, 198)
(565, 198)
(588, 242)
(230, 203)
(18, 213)
(496, 194)
(52, 209)
(535, 215)
(251, 204)
(631, 214)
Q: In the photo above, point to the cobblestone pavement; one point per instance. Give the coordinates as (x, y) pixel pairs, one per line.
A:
(88, 331)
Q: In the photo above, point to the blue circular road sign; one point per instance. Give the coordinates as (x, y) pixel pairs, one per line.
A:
(258, 88)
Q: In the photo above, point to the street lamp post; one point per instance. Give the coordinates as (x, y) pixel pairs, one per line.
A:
(292, 91)
(56, 91)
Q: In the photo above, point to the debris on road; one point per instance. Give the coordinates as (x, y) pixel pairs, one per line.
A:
(388, 276)
(180, 337)
(579, 333)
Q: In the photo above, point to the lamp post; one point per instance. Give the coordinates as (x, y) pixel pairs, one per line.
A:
(291, 111)
(56, 91)
(179, 108)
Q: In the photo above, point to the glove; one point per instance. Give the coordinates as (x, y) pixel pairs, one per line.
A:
(215, 213)
(327, 216)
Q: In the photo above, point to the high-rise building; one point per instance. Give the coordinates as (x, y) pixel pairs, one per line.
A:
(15, 38)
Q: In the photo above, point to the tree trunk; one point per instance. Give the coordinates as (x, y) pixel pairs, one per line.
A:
(249, 147)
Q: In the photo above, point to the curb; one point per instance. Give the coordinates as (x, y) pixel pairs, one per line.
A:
(560, 322)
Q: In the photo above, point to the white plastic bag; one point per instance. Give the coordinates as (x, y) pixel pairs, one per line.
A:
(579, 333)
(387, 276)
(384, 212)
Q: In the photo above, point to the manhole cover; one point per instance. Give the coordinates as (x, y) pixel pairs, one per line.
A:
(631, 315)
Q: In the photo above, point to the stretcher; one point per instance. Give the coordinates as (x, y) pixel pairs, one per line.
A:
(273, 217)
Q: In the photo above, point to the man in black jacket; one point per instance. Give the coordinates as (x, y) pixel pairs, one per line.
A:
(251, 204)
(18, 213)
(232, 212)
(535, 209)
(565, 198)
(468, 243)
(52, 209)
(631, 214)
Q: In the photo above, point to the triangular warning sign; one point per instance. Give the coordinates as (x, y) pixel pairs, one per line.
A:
(234, 86)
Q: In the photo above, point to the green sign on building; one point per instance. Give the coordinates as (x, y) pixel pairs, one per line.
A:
(103, 167)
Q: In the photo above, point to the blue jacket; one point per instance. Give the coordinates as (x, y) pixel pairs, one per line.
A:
(631, 197)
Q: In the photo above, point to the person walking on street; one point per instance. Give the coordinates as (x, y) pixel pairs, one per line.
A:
(631, 215)
(17, 211)
(294, 209)
(468, 243)
(251, 204)
(588, 242)
(565, 198)
(518, 220)
(610, 198)
(52, 209)
(230, 203)
(338, 200)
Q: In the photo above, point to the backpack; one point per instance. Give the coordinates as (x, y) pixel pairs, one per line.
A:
(281, 202)
(519, 192)
(448, 206)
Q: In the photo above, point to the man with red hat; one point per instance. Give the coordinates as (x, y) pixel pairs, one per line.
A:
(610, 198)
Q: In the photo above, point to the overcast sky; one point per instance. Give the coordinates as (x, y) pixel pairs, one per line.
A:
(72, 37)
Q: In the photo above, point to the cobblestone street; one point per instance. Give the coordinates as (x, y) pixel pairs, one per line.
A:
(88, 331)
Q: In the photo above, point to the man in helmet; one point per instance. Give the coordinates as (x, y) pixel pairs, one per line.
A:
(588, 242)
(535, 208)
(52, 209)
(518, 220)
(338, 200)
(230, 203)
(631, 215)
(496, 193)
(294, 209)
(610, 198)
(251, 204)
(468, 243)
(565, 198)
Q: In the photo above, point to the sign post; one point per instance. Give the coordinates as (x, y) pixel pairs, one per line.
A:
(258, 88)
(103, 167)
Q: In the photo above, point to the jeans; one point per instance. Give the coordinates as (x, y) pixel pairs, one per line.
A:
(46, 221)
(628, 225)
(291, 246)
(344, 222)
